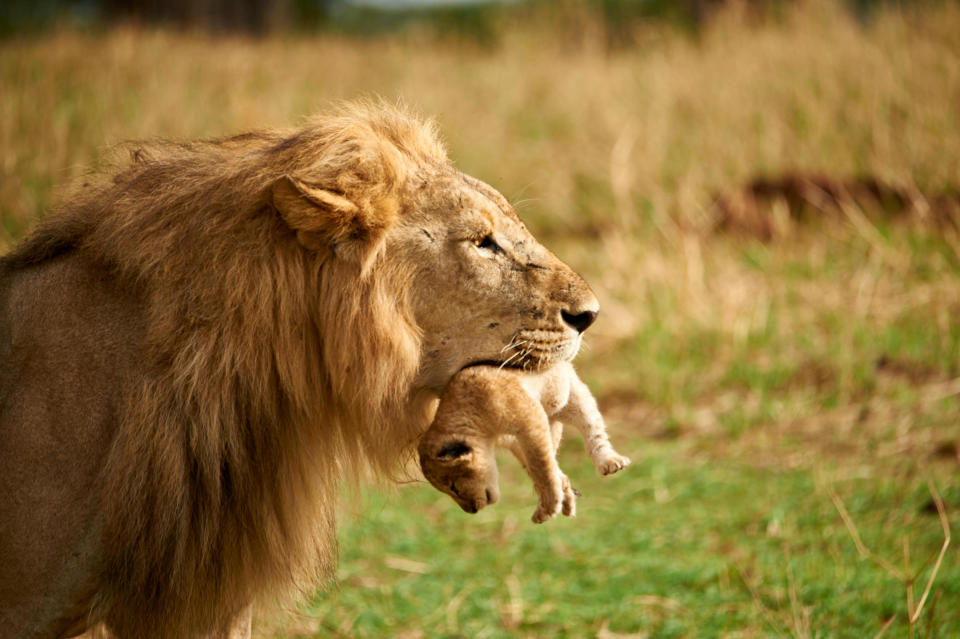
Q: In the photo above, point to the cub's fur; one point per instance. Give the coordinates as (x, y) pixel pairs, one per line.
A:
(484, 406)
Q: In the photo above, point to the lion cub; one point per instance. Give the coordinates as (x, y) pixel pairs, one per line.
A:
(484, 406)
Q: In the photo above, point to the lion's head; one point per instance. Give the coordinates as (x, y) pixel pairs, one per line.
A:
(475, 285)
(485, 289)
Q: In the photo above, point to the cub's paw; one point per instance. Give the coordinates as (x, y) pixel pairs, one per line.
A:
(570, 494)
(611, 463)
(548, 506)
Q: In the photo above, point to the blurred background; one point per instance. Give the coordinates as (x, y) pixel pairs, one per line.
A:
(764, 196)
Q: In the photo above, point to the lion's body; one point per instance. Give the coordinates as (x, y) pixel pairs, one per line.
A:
(195, 352)
(486, 406)
(57, 420)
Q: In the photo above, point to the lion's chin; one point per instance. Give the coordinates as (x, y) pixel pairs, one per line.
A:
(534, 361)
(540, 358)
(493, 362)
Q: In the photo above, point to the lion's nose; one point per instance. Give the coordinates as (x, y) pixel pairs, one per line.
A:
(579, 321)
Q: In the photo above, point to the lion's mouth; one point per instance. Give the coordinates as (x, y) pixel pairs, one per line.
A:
(534, 350)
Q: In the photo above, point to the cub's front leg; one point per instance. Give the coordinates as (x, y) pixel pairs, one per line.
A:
(582, 412)
(552, 486)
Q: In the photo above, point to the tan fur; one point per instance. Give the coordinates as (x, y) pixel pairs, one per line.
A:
(485, 406)
(198, 349)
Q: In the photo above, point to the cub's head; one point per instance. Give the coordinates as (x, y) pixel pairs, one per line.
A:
(462, 466)
(457, 279)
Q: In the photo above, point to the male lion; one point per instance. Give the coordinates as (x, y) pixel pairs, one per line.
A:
(195, 352)
(485, 406)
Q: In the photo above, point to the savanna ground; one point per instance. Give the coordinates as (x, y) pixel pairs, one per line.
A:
(766, 389)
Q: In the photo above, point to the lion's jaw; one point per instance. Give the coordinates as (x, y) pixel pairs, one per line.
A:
(484, 289)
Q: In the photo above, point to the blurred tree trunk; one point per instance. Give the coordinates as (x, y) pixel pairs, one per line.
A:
(218, 16)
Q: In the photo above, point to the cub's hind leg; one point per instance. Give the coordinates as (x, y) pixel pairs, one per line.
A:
(570, 494)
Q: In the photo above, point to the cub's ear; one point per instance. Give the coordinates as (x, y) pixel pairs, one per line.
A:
(325, 220)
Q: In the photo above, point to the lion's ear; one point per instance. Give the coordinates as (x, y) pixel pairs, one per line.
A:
(324, 219)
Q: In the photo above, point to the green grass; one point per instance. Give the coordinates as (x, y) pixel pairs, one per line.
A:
(680, 545)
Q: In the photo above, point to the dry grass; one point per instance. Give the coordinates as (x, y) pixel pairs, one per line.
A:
(628, 148)
(596, 140)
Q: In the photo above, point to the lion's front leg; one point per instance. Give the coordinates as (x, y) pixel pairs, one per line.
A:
(242, 625)
(240, 628)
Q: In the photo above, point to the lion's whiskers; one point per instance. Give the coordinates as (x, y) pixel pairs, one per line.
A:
(509, 359)
(513, 344)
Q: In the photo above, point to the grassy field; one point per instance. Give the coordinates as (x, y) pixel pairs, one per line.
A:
(782, 400)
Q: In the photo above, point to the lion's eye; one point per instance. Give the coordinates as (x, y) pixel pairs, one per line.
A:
(486, 243)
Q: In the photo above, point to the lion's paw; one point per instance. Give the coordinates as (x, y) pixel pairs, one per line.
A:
(612, 463)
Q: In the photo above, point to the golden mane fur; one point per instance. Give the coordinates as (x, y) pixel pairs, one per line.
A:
(272, 372)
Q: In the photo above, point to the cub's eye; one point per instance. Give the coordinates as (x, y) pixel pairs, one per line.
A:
(486, 243)
(453, 450)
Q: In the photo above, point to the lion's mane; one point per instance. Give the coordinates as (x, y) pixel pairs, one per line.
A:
(272, 372)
